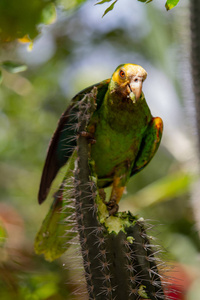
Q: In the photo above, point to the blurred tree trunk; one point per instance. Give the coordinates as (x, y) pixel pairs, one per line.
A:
(195, 58)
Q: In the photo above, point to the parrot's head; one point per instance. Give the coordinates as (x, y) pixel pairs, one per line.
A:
(127, 81)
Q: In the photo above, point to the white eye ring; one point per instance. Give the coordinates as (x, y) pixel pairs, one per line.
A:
(122, 74)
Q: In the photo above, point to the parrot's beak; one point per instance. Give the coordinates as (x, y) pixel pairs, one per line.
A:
(135, 87)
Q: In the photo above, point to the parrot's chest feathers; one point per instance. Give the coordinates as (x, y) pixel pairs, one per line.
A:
(118, 134)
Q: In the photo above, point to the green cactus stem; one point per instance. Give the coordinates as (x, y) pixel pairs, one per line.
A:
(118, 259)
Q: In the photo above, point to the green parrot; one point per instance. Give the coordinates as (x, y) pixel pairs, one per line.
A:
(124, 134)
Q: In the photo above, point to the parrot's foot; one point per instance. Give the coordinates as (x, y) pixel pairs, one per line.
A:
(102, 195)
(112, 207)
(89, 136)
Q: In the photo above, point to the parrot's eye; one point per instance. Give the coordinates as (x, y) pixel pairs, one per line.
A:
(122, 74)
(136, 79)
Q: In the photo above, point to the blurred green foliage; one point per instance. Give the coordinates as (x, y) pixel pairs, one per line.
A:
(22, 17)
(169, 4)
(78, 50)
(13, 67)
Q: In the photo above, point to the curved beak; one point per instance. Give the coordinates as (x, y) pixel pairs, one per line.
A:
(135, 87)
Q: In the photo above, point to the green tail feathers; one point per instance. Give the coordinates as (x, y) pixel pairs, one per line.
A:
(55, 232)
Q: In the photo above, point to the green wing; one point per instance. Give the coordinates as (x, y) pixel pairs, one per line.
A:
(63, 141)
(149, 145)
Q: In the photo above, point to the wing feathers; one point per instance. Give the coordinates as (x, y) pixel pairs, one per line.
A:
(64, 139)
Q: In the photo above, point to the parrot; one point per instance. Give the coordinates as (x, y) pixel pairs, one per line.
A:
(124, 135)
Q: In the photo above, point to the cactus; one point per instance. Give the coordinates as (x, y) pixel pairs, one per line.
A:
(118, 259)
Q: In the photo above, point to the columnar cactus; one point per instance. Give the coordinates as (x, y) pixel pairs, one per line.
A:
(118, 259)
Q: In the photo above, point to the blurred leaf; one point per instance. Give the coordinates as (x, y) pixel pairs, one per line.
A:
(145, 1)
(162, 190)
(39, 287)
(171, 3)
(13, 67)
(3, 235)
(183, 249)
(103, 1)
(109, 8)
(49, 14)
(72, 4)
(1, 77)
